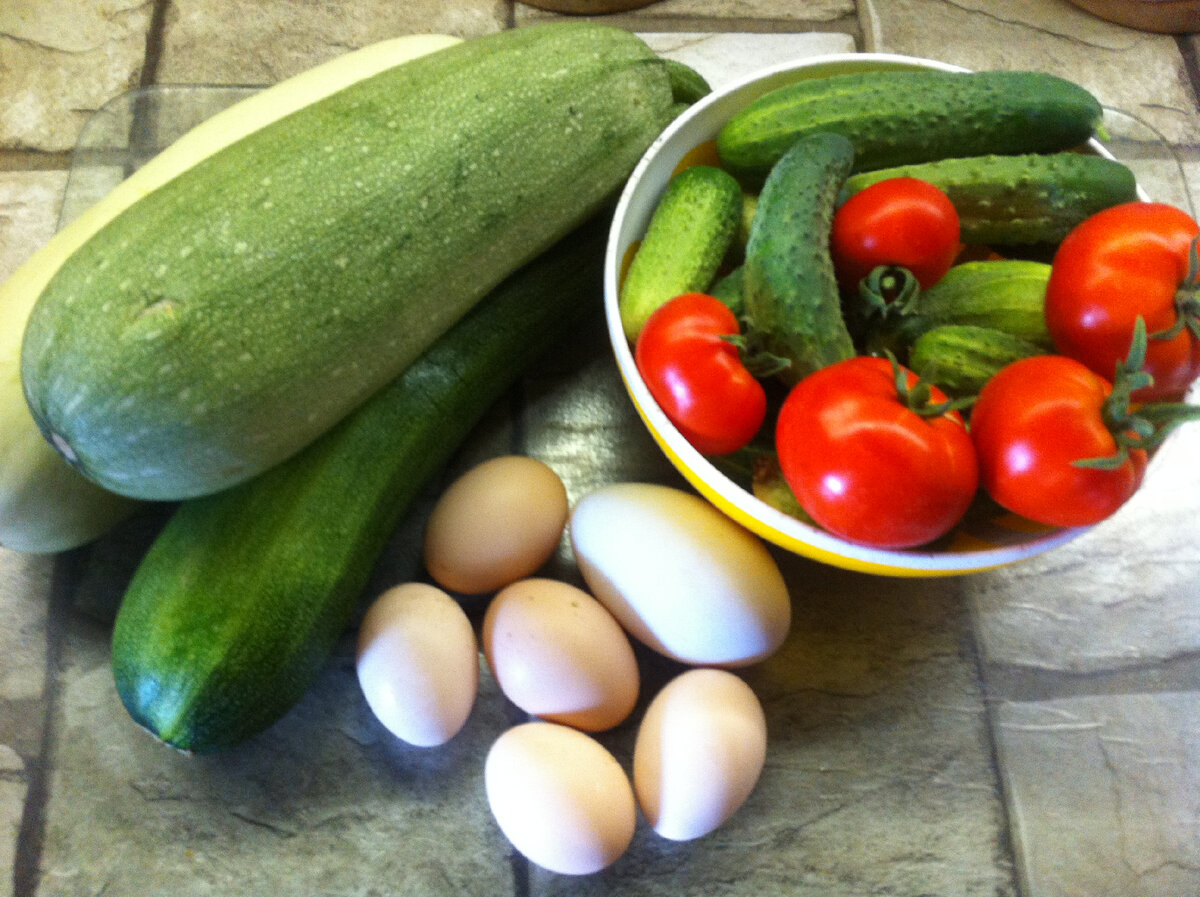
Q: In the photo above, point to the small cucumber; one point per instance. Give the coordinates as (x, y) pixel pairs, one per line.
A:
(689, 234)
(1003, 294)
(730, 289)
(235, 608)
(961, 358)
(902, 117)
(1019, 199)
(790, 289)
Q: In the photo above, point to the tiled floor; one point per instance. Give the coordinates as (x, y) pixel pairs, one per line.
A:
(1032, 732)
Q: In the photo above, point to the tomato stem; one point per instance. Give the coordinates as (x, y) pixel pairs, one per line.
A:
(1187, 299)
(1143, 428)
(755, 357)
(890, 289)
(918, 397)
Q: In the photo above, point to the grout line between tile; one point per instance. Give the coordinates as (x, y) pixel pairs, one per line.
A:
(1191, 65)
(26, 869)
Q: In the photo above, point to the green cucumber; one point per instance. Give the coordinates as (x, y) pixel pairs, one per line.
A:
(232, 315)
(730, 290)
(902, 117)
(690, 232)
(1003, 200)
(789, 286)
(236, 606)
(1002, 294)
(961, 358)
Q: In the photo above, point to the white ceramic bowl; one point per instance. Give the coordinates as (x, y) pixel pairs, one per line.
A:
(975, 545)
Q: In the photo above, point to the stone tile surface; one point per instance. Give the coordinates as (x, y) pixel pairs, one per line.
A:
(1139, 73)
(278, 38)
(60, 60)
(1104, 793)
(1125, 594)
(29, 204)
(24, 589)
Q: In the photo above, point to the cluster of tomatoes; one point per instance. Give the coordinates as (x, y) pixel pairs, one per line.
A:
(879, 457)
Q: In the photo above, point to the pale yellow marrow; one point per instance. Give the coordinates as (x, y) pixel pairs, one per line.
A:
(45, 505)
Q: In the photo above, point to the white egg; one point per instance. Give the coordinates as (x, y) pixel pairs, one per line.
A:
(418, 663)
(679, 575)
(699, 752)
(560, 797)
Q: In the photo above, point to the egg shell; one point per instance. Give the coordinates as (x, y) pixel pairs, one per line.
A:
(418, 663)
(679, 575)
(497, 523)
(699, 752)
(558, 654)
(560, 797)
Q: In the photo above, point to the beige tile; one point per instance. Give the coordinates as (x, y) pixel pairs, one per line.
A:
(61, 59)
(1103, 792)
(29, 206)
(278, 38)
(1139, 73)
(724, 57)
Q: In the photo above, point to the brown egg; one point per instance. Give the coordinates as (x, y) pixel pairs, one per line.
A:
(557, 653)
(497, 523)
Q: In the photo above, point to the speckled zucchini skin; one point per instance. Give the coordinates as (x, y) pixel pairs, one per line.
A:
(789, 286)
(234, 314)
(234, 610)
(1011, 200)
(904, 117)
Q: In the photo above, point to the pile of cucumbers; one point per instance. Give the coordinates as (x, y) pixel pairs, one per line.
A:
(751, 223)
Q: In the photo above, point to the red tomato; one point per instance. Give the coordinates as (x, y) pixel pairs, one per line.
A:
(1128, 261)
(902, 222)
(1032, 421)
(865, 465)
(697, 376)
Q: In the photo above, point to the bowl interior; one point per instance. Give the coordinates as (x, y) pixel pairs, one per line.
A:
(976, 544)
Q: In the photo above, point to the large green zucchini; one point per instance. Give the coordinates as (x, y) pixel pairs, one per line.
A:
(239, 601)
(235, 313)
(45, 505)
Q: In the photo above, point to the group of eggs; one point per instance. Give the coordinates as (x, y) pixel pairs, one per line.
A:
(661, 566)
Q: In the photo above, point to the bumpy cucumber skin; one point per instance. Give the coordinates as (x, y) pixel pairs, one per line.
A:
(1002, 294)
(730, 289)
(904, 117)
(690, 232)
(789, 287)
(961, 358)
(1014, 200)
(239, 311)
(236, 607)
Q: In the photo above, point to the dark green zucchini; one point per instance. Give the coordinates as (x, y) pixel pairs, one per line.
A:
(235, 608)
